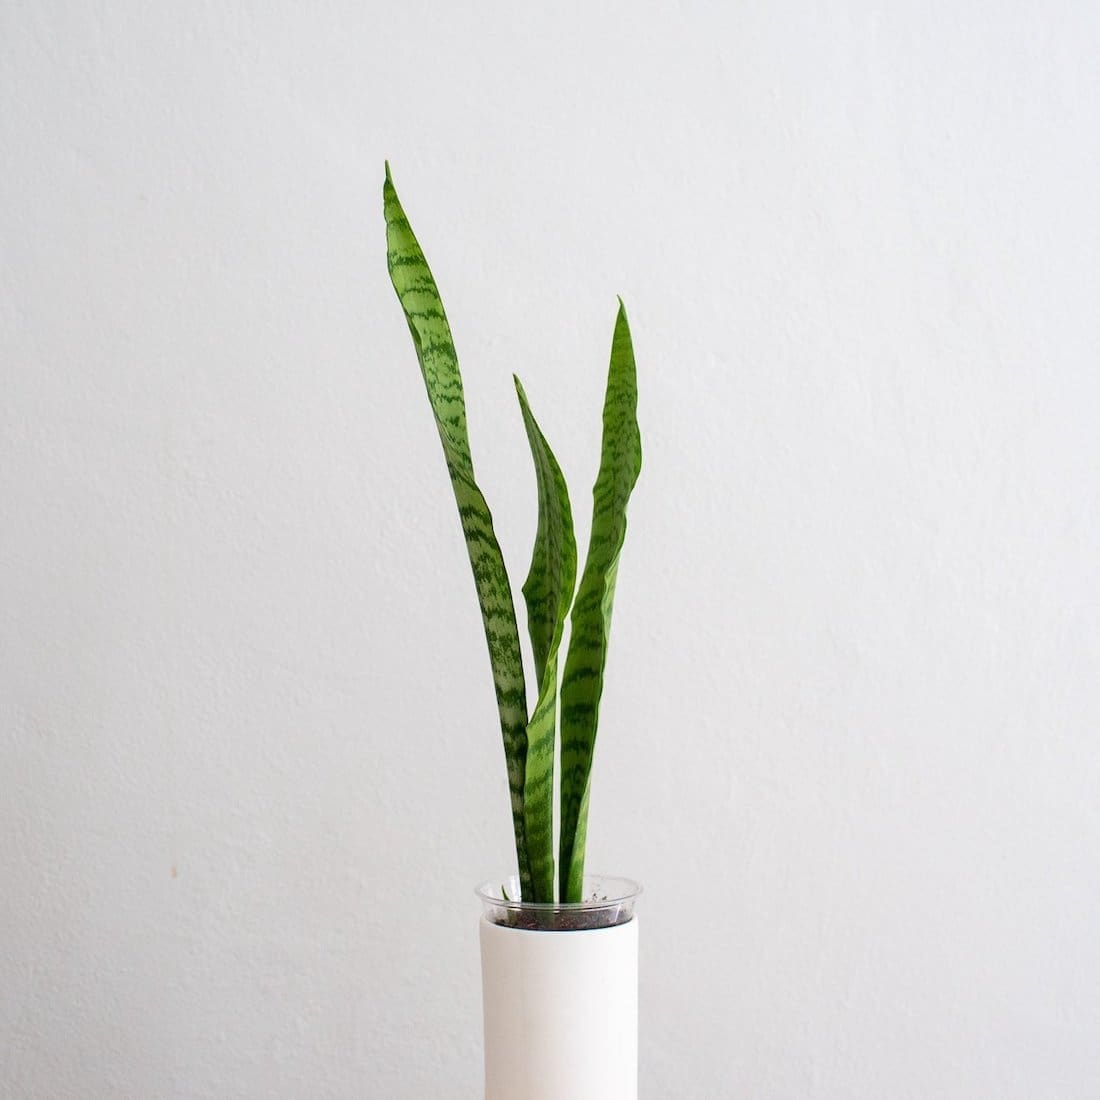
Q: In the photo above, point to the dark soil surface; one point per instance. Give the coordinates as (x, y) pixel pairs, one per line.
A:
(560, 920)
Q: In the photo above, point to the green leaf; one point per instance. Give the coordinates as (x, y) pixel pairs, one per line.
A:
(431, 335)
(582, 683)
(548, 592)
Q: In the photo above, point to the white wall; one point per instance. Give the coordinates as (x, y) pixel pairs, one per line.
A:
(249, 760)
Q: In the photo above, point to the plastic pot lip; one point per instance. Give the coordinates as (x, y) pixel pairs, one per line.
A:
(601, 892)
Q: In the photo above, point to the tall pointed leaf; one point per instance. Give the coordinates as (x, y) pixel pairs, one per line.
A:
(431, 335)
(582, 682)
(548, 592)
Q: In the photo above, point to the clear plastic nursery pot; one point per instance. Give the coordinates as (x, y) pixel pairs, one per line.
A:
(560, 993)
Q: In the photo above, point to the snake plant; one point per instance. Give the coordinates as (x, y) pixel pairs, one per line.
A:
(531, 740)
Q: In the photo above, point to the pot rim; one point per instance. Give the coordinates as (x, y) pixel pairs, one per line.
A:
(600, 892)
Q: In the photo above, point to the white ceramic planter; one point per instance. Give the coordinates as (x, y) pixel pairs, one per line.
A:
(561, 1007)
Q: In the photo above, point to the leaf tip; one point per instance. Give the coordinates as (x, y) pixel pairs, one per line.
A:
(389, 192)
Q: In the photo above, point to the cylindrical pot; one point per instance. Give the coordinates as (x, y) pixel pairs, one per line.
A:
(560, 993)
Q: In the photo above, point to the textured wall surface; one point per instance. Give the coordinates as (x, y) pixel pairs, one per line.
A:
(249, 762)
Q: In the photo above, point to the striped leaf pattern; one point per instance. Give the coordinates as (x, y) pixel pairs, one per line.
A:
(582, 682)
(431, 335)
(548, 592)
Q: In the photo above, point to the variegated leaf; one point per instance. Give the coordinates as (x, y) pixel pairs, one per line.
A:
(431, 335)
(582, 682)
(548, 592)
